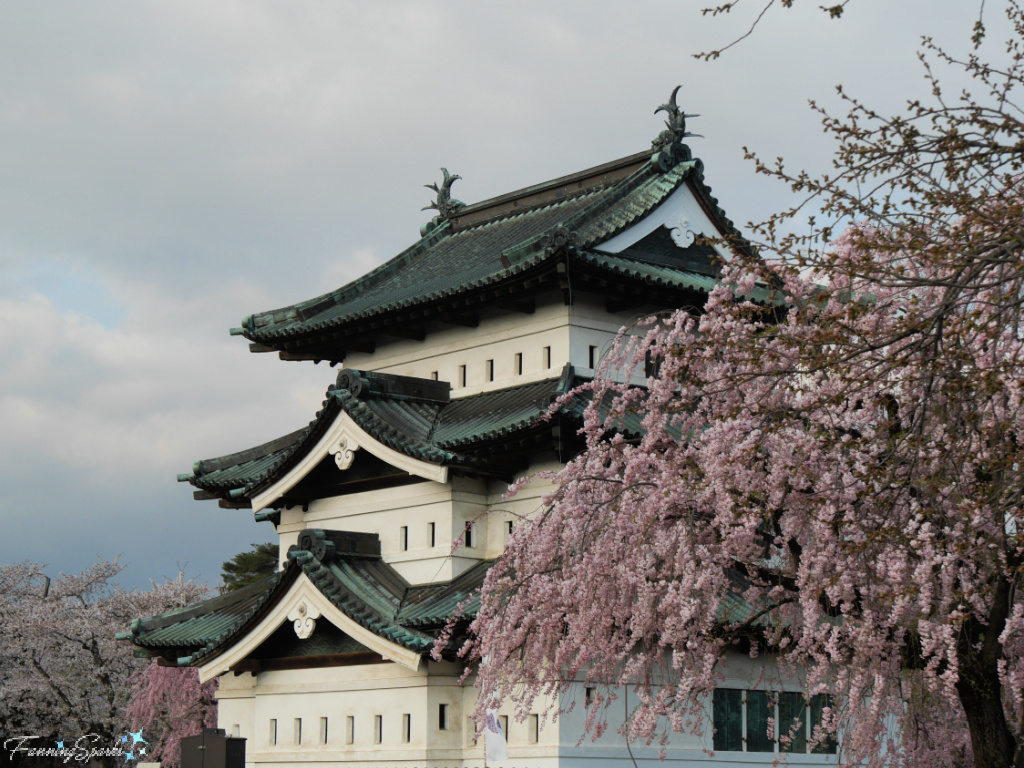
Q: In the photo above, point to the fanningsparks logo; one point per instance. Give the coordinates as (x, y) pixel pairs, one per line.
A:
(82, 750)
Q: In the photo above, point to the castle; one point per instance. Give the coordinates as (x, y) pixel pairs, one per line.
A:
(453, 353)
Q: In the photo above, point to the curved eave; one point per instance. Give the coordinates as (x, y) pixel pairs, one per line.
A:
(343, 435)
(302, 592)
(297, 332)
(197, 631)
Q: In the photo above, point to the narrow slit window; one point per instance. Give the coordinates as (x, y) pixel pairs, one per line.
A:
(323, 730)
(760, 709)
(350, 730)
(442, 717)
(462, 375)
(533, 728)
(727, 711)
(378, 728)
(588, 697)
(547, 357)
(503, 722)
(273, 733)
(593, 356)
(433, 375)
(468, 536)
(519, 363)
(298, 730)
(818, 704)
(432, 534)
(792, 723)
(490, 370)
(508, 527)
(406, 729)
(236, 730)
(403, 538)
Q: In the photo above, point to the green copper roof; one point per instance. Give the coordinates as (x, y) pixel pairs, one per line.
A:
(436, 432)
(348, 572)
(470, 253)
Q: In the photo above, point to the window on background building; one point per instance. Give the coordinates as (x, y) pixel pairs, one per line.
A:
(462, 375)
(433, 375)
(533, 728)
(297, 731)
(350, 730)
(406, 728)
(503, 720)
(468, 536)
(519, 363)
(442, 717)
(236, 730)
(741, 721)
(547, 357)
(593, 356)
(273, 733)
(323, 730)
(490, 370)
(378, 728)
(432, 534)
(403, 538)
(508, 527)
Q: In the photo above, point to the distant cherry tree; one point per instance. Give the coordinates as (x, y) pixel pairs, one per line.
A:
(831, 477)
(62, 673)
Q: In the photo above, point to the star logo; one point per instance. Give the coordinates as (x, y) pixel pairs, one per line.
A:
(129, 756)
(60, 745)
(137, 737)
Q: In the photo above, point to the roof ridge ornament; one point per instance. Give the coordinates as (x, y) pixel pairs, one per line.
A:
(668, 147)
(445, 205)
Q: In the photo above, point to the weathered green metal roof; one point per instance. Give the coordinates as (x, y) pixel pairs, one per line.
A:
(360, 585)
(453, 259)
(435, 432)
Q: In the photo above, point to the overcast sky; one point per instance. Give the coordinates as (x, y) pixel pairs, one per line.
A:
(168, 168)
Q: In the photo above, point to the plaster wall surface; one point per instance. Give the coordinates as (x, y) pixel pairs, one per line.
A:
(506, 348)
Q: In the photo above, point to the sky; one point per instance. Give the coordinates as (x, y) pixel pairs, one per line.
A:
(168, 168)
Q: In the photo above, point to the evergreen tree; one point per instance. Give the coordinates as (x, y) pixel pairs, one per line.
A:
(248, 567)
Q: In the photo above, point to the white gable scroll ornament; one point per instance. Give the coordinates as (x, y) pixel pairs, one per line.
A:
(681, 233)
(303, 618)
(344, 451)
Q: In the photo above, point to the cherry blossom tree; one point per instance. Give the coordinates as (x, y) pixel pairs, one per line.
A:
(171, 703)
(830, 478)
(62, 674)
